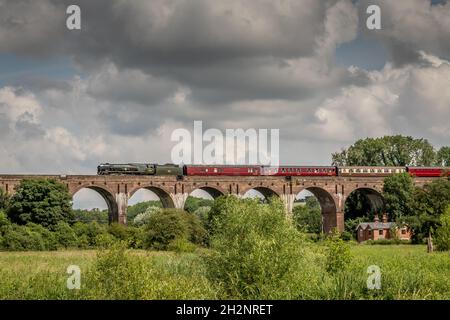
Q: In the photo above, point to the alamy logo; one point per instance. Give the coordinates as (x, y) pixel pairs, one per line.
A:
(236, 147)
(374, 279)
(74, 280)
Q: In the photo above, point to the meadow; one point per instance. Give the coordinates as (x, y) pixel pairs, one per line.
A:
(407, 272)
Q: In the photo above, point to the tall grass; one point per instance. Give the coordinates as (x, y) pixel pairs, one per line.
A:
(407, 272)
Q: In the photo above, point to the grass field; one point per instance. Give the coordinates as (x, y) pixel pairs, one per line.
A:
(407, 271)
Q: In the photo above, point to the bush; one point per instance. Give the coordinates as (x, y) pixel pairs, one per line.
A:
(4, 221)
(256, 251)
(338, 254)
(89, 232)
(65, 235)
(49, 238)
(166, 226)
(119, 231)
(21, 238)
(142, 218)
(105, 240)
(442, 238)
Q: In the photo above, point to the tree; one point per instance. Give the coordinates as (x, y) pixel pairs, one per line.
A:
(430, 202)
(308, 217)
(442, 238)
(41, 201)
(398, 193)
(443, 157)
(387, 151)
(4, 199)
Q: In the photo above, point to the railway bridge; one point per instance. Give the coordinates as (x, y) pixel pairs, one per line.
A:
(332, 192)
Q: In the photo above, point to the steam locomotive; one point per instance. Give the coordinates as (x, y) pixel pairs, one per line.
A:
(256, 170)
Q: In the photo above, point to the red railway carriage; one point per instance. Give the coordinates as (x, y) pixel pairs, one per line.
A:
(290, 171)
(221, 170)
(429, 171)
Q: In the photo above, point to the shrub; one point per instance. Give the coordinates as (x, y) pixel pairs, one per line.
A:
(65, 235)
(49, 239)
(119, 231)
(4, 221)
(256, 251)
(166, 226)
(21, 238)
(105, 240)
(338, 254)
(89, 232)
(442, 238)
(142, 218)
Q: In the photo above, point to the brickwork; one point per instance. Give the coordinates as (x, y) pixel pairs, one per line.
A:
(331, 192)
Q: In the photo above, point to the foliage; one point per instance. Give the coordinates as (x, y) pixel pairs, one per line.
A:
(100, 216)
(338, 255)
(443, 157)
(398, 194)
(387, 151)
(442, 238)
(141, 207)
(65, 235)
(171, 224)
(357, 205)
(430, 203)
(21, 238)
(4, 199)
(41, 201)
(308, 217)
(142, 218)
(256, 250)
(192, 204)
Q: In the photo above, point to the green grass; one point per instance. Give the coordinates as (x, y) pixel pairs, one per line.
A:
(408, 272)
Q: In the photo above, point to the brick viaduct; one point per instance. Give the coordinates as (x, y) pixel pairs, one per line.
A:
(331, 192)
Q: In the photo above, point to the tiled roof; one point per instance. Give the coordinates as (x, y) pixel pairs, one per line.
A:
(376, 225)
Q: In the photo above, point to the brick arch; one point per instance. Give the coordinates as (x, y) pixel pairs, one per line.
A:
(327, 203)
(107, 195)
(375, 196)
(267, 192)
(213, 191)
(163, 194)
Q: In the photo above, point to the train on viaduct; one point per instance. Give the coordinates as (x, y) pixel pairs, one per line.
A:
(331, 190)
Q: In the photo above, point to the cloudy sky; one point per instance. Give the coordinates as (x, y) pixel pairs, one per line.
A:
(115, 90)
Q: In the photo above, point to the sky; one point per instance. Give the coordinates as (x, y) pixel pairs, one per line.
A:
(115, 90)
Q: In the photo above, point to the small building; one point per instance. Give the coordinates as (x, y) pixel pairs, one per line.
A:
(377, 230)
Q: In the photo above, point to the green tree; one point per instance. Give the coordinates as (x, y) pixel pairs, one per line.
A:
(387, 151)
(430, 202)
(398, 193)
(442, 238)
(193, 203)
(4, 199)
(41, 201)
(308, 217)
(443, 157)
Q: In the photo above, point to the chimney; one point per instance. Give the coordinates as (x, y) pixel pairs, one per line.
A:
(376, 218)
(385, 218)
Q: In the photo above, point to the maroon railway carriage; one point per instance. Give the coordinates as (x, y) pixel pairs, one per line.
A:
(429, 171)
(221, 170)
(291, 171)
